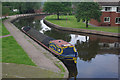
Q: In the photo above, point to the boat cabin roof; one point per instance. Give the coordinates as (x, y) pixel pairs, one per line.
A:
(61, 43)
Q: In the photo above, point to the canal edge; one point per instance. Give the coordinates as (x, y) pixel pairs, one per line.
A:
(101, 33)
(54, 59)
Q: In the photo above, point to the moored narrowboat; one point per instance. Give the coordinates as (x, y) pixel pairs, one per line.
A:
(61, 48)
(64, 49)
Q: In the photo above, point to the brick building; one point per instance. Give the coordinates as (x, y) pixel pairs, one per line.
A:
(110, 14)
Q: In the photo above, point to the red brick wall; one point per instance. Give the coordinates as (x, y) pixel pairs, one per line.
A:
(112, 16)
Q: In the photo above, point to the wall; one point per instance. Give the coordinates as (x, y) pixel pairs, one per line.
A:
(112, 16)
(81, 30)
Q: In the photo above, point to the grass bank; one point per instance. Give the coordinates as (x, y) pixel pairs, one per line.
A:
(12, 52)
(70, 21)
(3, 30)
(0, 27)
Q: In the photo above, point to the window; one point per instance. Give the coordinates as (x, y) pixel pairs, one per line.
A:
(107, 8)
(118, 9)
(117, 20)
(106, 19)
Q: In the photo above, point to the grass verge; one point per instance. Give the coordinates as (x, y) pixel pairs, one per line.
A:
(70, 21)
(13, 53)
(60, 66)
(3, 30)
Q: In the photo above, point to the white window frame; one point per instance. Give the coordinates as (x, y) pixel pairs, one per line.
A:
(106, 17)
(115, 20)
(108, 10)
(118, 9)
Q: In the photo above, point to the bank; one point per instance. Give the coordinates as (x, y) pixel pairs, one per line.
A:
(41, 57)
(67, 25)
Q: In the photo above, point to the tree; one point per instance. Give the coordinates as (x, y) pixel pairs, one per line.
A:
(57, 7)
(5, 11)
(0, 9)
(23, 7)
(86, 11)
(27, 7)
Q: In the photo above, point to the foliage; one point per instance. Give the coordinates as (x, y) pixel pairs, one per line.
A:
(87, 10)
(0, 8)
(13, 13)
(57, 7)
(5, 10)
(23, 7)
(72, 23)
(60, 66)
(67, 7)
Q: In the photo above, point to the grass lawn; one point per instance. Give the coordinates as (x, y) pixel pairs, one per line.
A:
(12, 52)
(72, 22)
(0, 27)
(3, 30)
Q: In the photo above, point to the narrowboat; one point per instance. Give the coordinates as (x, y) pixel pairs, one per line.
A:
(61, 48)
(64, 49)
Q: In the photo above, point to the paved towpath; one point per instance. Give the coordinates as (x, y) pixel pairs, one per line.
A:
(5, 36)
(41, 57)
(11, 70)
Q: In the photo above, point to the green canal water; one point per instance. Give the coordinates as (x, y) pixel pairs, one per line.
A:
(98, 56)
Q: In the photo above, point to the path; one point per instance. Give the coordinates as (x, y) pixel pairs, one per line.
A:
(41, 57)
(11, 70)
(5, 36)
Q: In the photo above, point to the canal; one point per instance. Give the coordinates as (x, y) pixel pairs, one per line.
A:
(97, 55)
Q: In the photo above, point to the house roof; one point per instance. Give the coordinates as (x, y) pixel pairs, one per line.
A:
(109, 3)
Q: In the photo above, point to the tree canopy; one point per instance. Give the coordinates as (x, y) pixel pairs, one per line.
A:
(23, 7)
(87, 10)
(57, 7)
(5, 11)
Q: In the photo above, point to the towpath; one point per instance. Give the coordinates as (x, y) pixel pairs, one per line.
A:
(5, 36)
(11, 70)
(41, 57)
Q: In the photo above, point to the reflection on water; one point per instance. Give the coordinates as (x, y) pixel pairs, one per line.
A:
(58, 35)
(72, 68)
(97, 55)
(87, 50)
(76, 38)
(44, 27)
(102, 66)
